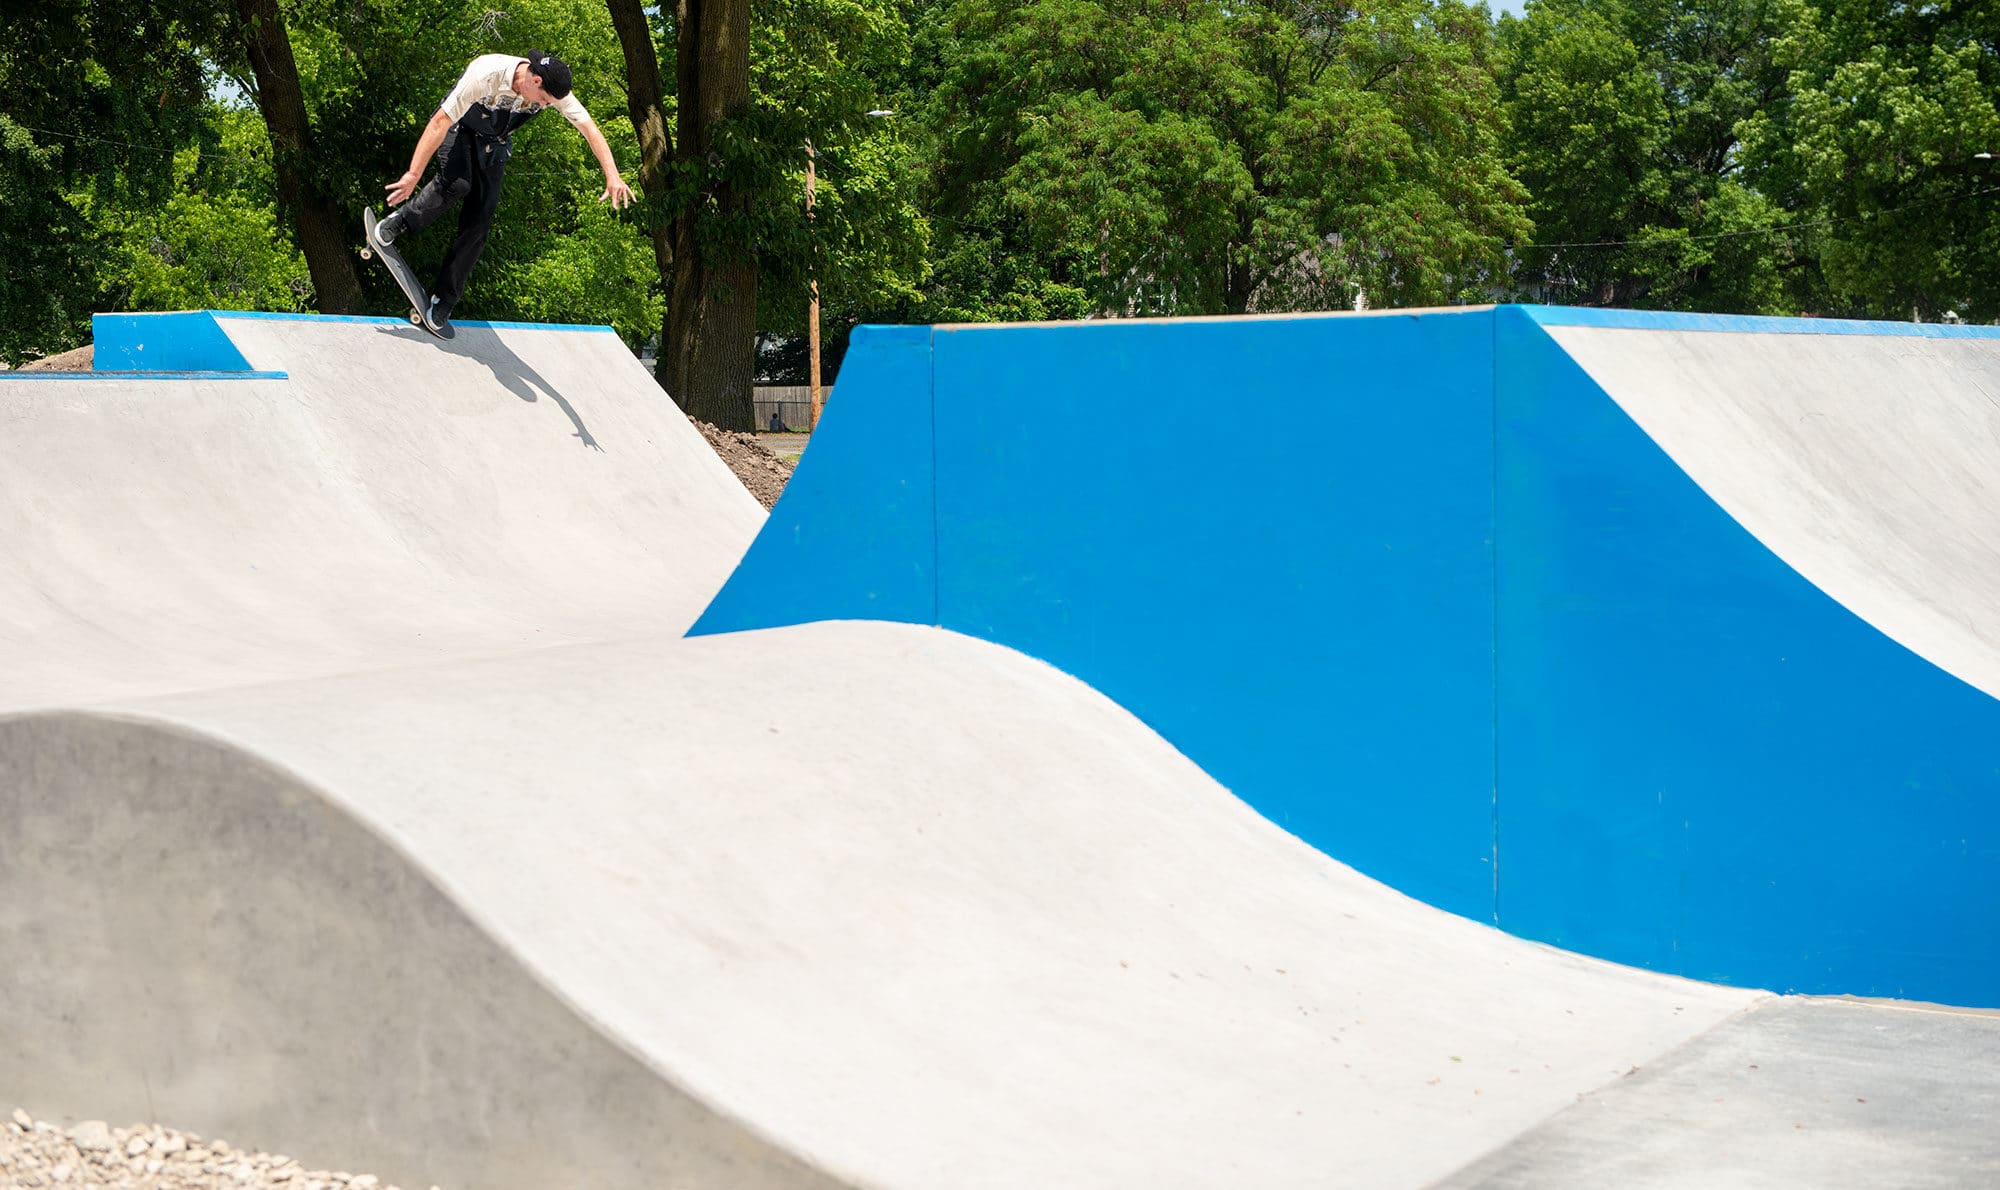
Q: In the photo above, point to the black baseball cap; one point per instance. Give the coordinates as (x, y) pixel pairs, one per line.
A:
(553, 71)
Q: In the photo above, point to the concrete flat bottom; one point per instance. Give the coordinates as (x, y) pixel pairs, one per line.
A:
(1796, 1092)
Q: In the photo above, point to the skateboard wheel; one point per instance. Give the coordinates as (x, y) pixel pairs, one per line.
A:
(367, 254)
(416, 319)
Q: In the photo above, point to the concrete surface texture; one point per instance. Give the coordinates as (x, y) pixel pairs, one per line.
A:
(389, 502)
(364, 801)
(1622, 706)
(1799, 1092)
(911, 907)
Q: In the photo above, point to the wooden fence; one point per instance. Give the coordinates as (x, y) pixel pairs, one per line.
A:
(780, 407)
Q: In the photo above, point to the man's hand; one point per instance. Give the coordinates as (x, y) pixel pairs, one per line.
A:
(402, 188)
(615, 190)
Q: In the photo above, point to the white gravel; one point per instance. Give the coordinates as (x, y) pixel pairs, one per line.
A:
(95, 1156)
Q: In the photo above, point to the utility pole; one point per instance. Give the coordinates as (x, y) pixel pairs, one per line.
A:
(812, 306)
(812, 272)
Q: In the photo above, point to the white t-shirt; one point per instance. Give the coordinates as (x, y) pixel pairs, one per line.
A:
(490, 80)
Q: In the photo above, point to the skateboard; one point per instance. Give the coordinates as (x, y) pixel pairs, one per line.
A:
(400, 270)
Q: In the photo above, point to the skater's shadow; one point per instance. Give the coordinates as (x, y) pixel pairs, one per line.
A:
(523, 381)
(485, 346)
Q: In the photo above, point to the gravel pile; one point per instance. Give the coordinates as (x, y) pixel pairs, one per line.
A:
(93, 1154)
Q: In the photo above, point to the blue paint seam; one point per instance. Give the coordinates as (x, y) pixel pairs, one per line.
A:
(1493, 560)
(937, 485)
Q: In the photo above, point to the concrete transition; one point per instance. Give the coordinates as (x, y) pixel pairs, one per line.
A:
(363, 797)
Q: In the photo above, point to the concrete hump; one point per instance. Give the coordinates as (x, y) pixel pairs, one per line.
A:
(1667, 639)
(855, 904)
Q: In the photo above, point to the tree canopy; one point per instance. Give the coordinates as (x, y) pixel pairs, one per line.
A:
(1030, 159)
(1203, 157)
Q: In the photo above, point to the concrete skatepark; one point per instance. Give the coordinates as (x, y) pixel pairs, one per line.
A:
(431, 758)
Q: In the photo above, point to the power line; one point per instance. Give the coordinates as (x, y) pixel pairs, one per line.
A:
(223, 153)
(1762, 231)
(126, 144)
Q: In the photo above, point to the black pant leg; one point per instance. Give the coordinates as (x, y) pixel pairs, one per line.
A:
(475, 219)
(451, 183)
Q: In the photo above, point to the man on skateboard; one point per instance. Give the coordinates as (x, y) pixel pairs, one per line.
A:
(471, 134)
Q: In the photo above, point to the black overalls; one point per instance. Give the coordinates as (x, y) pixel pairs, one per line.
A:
(471, 161)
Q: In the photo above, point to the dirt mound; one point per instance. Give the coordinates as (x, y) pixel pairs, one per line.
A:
(764, 473)
(68, 361)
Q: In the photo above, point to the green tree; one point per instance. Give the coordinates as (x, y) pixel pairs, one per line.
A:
(698, 210)
(1874, 146)
(725, 194)
(95, 98)
(1203, 157)
(50, 247)
(1624, 117)
(828, 73)
(212, 253)
(984, 267)
(712, 295)
(315, 212)
(373, 71)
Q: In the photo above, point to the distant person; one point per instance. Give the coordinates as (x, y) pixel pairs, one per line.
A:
(777, 425)
(472, 133)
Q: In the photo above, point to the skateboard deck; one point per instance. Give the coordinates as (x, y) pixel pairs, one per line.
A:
(406, 279)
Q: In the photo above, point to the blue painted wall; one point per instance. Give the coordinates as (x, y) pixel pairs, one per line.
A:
(1478, 616)
(1313, 628)
(855, 536)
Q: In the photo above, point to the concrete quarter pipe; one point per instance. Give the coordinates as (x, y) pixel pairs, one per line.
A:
(364, 797)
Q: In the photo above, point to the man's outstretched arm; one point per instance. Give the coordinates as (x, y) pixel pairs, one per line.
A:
(615, 188)
(427, 144)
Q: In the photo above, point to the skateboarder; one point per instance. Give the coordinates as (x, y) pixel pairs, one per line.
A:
(471, 133)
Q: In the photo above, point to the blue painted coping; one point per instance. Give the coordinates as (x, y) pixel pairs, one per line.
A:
(1488, 644)
(146, 375)
(193, 341)
(1650, 320)
(469, 322)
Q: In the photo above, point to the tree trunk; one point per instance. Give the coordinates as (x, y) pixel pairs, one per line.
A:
(284, 107)
(710, 346)
(1238, 287)
(1239, 281)
(643, 99)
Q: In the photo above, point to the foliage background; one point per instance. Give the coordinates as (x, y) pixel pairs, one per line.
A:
(1062, 158)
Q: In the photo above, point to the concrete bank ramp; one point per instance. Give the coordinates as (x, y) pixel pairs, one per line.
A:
(849, 903)
(283, 497)
(1669, 639)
